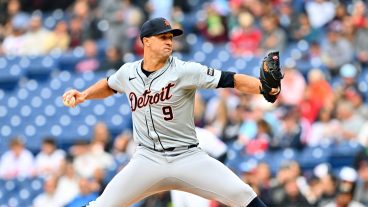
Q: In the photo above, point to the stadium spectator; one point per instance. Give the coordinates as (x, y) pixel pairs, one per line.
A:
(350, 122)
(273, 37)
(34, 39)
(348, 74)
(291, 132)
(8, 10)
(217, 123)
(76, 32)
(348, 31)
(85, 194)
(180, 44)
(358, 14)
(361, 44)
(17, 162)
(345, 189)
(97, 182)
(248, 127)
(277, 191)
(84, 11)
(258, 8)
(361, 189)
(90, 62)
(218, 109)
(122, 149)
(356, 98)
(293, 196)
(213, 25)
(314, 56)
(294, 86)
(363, 135)
(259, 143)
(58, 38)
(263, 181)
(83, 162)
(67, 186)
(124, 20)
(199, 110)
(48, 197)
(102, 135)
(232, 127)
(336, 46)
(49, 160)
(245, 39)
(302, 30)
(113, 60)
(90, 158)
(317, 94)
(328, 186)
(325, 129)
(158, 8)
(14, 43)
(340, 12)
(159, 199)
(288, 17)
(138, 47)
(320, 12)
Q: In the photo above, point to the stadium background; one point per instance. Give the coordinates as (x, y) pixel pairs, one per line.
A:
(309, 149)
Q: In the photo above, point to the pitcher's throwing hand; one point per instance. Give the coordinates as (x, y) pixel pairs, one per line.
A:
(72, 98)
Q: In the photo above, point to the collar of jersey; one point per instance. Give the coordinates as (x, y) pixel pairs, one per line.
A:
(157, 72)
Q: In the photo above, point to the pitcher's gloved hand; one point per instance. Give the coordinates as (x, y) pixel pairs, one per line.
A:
(270, 76)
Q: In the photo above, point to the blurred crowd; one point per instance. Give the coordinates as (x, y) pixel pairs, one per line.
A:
(323, 100)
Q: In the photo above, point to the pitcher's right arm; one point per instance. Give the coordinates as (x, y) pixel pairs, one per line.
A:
(99, 90)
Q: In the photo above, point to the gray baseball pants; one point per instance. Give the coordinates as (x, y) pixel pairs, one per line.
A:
(191, 170)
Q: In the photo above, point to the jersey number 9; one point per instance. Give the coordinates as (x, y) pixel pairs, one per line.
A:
(167, 111)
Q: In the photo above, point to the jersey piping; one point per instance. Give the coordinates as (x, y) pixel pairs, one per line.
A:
(153, 124)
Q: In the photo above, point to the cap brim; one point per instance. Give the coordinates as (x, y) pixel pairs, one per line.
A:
(175, 32)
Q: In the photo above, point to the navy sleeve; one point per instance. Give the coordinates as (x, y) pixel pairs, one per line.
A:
(226, 80)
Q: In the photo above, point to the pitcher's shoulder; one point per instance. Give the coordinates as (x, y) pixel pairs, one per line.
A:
(130, 65)
(182, 63)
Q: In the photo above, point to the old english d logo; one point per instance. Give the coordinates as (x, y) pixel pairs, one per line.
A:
(167, 24)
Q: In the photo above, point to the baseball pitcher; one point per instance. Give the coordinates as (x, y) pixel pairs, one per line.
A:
(161, 90)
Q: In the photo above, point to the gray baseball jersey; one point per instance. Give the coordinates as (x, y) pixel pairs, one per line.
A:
(162, 104)
(162, 108)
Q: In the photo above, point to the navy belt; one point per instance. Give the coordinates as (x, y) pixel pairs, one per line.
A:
(171, 149)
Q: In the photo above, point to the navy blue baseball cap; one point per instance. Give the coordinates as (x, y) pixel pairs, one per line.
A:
(158, 26)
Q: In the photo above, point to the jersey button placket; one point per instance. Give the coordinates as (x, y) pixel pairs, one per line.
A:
(147, 111)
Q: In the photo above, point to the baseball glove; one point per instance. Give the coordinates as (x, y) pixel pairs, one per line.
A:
(270, 76)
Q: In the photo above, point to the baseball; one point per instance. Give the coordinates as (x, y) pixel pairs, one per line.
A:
(69, 102)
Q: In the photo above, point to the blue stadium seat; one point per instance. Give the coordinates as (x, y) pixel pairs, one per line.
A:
(69, 60)
(10, 73)
(235, 155)
(207, 94)
(312, 156)
(275, 159)
(344, 153)
(41, 67)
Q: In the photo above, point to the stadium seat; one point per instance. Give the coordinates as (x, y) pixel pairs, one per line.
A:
(312, 156)
(275, 159)
(10, 73)
(69, 60)
(344, 153)
(41, 67)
